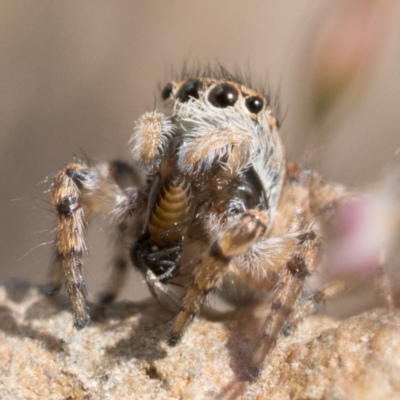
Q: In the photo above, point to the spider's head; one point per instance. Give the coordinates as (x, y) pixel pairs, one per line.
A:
(211, 95)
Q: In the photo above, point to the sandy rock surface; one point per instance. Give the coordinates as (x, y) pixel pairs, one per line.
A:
(122, 354)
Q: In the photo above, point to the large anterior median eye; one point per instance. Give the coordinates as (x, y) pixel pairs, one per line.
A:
(189, 90)
(223, 95)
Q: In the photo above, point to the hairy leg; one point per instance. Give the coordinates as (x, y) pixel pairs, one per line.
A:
(209, 272)
(290, 284)
(309, 305)
(77, 192)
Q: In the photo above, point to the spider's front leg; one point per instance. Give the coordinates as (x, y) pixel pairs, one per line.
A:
(77, 192)
(303, 260)
(209, 272)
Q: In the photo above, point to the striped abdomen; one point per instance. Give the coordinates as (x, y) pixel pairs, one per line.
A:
(168, 222)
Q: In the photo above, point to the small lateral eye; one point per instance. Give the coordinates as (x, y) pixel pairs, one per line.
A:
(223, 95)
(167, 91)
(254, 104)
(189, 90)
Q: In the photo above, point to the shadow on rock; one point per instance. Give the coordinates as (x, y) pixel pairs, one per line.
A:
(144, 325)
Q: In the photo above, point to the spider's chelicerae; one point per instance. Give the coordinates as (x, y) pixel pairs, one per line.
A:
(220, 203)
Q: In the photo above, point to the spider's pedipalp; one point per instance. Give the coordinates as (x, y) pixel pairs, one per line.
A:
(150, 138)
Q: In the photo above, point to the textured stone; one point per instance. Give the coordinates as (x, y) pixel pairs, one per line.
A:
(122, 354)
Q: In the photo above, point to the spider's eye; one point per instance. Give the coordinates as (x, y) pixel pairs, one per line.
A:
(167, 91)
(189, 90)
(254, 104)
(223, 96)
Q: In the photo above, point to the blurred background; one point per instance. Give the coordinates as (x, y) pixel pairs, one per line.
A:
(75, 75)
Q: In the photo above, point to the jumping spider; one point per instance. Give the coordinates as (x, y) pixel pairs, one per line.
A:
(219, 203)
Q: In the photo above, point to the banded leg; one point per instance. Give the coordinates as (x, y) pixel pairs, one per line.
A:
(78, 191)
(310, 304)
(288, 289)
(209, 272)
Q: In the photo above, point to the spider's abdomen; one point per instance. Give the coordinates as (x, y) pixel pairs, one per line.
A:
(167, 223)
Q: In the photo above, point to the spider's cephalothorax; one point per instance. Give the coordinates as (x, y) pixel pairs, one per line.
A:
(219, 201)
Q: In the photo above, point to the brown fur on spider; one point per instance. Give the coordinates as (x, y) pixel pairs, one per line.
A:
(219, 204)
